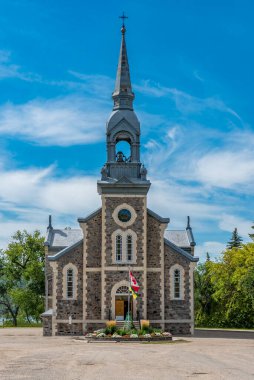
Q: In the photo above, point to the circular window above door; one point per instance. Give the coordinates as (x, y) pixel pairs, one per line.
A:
(124, 215)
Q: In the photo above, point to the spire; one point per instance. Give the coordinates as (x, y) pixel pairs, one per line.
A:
(50, 223)
(123, 95)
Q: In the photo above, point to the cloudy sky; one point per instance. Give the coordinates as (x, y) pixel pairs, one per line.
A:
(192, 73)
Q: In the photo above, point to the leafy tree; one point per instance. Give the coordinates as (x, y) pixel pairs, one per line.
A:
(204, 302)
(252, 235)
(233, 283)
(236, 240)
(8, 308)
(23, 276)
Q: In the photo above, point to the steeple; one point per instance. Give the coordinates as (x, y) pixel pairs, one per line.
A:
(123, 172)
(123, 96)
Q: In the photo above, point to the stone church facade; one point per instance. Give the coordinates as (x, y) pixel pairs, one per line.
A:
(87, 269)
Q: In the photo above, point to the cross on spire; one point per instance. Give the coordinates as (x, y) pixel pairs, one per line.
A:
(123, 17)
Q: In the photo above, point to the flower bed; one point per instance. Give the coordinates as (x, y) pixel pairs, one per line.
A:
(128, 333)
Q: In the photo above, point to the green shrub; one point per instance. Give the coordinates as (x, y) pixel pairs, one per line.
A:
(110, 330)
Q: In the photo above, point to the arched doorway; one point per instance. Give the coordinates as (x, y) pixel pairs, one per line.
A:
(119, 296)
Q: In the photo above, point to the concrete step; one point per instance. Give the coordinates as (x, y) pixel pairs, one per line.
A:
(120, 324)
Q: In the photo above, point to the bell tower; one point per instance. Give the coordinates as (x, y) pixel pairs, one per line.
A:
(123, 174)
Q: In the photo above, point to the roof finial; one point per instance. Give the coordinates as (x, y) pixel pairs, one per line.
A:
(50, 223)
(188, 223)
(123, 17)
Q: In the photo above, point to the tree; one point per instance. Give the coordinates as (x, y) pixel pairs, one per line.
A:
(22, 280)
(252, 235)
(8, 307)
(205, 305)
(236, 240)
(233, 282)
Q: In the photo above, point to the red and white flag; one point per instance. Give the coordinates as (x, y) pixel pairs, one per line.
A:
(134, 286)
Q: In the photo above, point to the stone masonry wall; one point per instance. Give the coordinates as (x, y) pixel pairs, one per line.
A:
(66, 329)
(176, 309)
(47, 326)
(153, 242)
(93, 295)
(178, 328)
(65, 308)
(153, 295)
(138, 226)
(93, 242)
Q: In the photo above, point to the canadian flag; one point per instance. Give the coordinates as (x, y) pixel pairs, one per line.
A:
(134, 284)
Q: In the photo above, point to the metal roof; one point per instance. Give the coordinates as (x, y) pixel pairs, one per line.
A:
(63, 238)
(179, 238)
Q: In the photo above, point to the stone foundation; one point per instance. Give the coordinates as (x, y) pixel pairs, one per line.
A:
(67, 329)
(178, 328)
(47, 326)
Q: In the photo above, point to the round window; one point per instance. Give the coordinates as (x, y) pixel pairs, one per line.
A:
(124, 215)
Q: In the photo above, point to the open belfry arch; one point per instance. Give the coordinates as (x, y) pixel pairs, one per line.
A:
(87, 269)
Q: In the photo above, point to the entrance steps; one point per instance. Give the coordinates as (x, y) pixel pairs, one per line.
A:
(120, 324)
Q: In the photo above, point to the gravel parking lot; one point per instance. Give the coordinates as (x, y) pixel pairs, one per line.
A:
(25, 354)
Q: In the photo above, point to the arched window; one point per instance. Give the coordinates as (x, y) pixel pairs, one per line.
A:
(129, 248)
(70, 283)
(123, 151)
(123, 290)
(119, 254)
(177, 283)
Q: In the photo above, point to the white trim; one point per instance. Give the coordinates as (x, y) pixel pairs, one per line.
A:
(124, 235)
(145, 257)
(127, 207)
(75, 281)
(172, 282)
(54, 266)
(191, 283)
(162, 282)
(103, 258)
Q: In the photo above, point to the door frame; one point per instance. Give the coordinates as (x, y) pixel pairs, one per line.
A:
(113, 299)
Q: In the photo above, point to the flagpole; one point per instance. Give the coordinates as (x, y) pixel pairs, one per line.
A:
(129, 298)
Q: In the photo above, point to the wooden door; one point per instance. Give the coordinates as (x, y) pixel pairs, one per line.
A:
(119, 309)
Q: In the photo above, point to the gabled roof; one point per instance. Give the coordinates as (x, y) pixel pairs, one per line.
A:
(90, 216)
(57, 238)
(179, 238)
(158, 217)
(181, 251)
(64, 251)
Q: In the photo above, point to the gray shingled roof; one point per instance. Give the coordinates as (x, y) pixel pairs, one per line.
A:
(65, 250)
(179, 238)
(63, 238)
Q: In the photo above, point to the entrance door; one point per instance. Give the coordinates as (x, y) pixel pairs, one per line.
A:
(120, 310)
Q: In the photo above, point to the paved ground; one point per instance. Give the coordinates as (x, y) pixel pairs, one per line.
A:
(25, 354)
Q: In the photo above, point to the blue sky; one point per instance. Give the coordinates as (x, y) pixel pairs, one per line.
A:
(192, 72)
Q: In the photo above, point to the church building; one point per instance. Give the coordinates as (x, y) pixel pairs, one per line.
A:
(87, 269)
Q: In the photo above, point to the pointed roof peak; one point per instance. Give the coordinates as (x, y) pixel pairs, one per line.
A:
(123, 96)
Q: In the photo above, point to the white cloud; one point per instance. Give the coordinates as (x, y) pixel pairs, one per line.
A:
(185, 103)
(28, 196)
(99, 85)
(226, 168)
(214, 248)
(230, 222)
(10, 70)
(63, 121)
